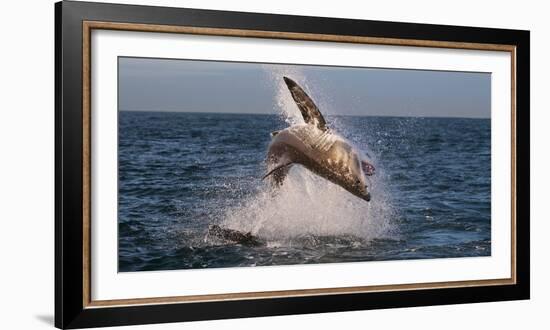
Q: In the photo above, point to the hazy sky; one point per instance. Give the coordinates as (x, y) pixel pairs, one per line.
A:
(206, 86)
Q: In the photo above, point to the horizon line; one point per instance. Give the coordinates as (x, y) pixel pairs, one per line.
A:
(275, 114)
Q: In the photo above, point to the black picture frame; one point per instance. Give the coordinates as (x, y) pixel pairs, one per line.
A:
(70, 309)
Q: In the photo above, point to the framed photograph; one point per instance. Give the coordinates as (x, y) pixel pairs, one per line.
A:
(218, 164)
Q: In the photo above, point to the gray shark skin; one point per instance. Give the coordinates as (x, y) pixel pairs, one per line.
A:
(314, 146)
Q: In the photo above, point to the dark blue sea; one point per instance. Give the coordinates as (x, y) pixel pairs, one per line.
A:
(181, 172)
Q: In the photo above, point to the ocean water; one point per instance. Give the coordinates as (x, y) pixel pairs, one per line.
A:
(181, 172)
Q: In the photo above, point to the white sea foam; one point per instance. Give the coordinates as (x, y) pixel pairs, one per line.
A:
(307, 204)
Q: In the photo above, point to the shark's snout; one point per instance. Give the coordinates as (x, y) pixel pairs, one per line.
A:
(367, 197)
(360, 189)
(364, 194)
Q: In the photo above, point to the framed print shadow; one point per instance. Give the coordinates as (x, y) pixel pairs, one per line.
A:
(218, 164)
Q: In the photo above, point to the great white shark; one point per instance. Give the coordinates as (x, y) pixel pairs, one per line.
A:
(317, 148)
(314, 146)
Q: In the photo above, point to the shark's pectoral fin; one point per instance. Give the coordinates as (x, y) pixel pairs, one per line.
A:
(368, 168)
(309, 110)
(279, 173)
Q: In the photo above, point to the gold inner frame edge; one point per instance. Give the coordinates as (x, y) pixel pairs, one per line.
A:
(88, 26)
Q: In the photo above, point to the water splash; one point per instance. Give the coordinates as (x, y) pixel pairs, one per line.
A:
(307, 205)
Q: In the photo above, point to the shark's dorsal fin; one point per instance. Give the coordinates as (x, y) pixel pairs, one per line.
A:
(307, 107)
